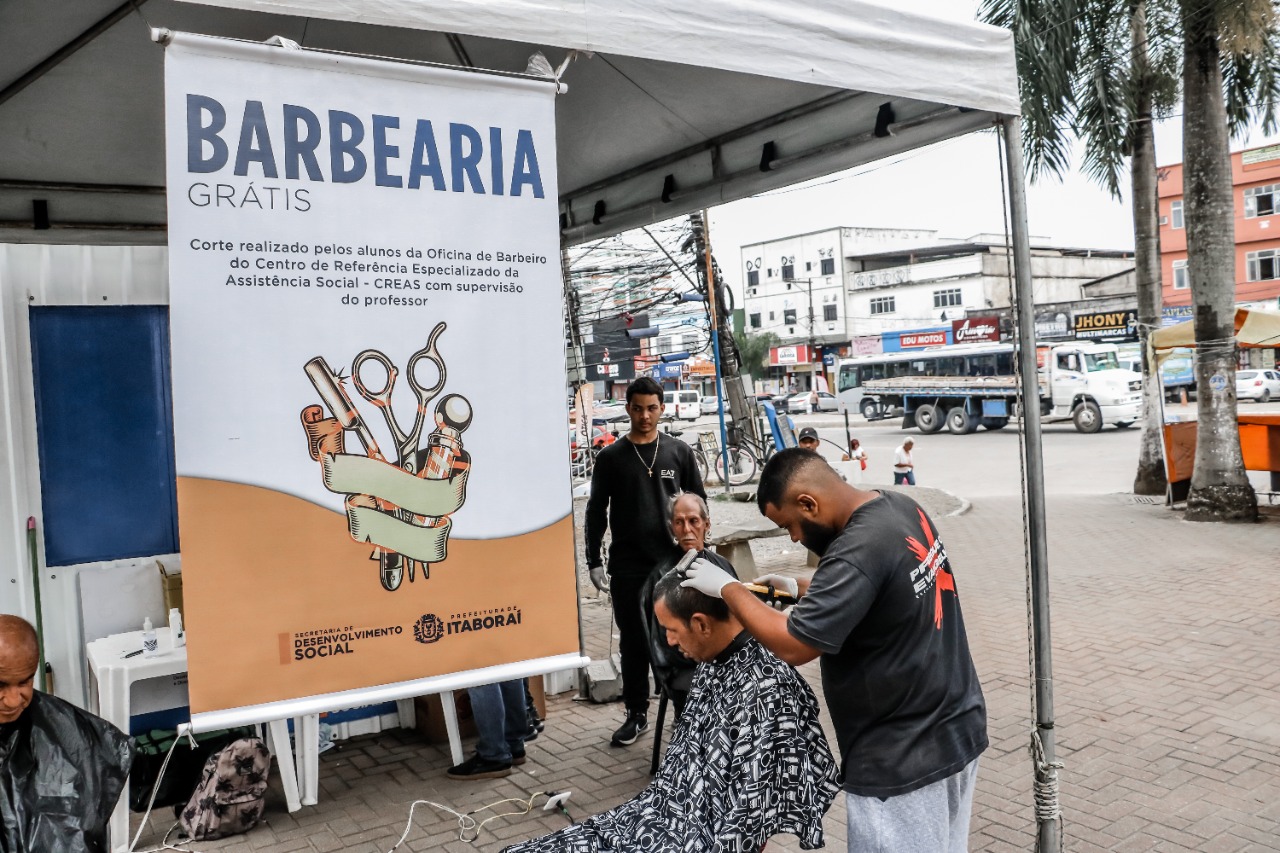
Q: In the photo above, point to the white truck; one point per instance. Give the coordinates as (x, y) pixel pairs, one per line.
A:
(1081, 382)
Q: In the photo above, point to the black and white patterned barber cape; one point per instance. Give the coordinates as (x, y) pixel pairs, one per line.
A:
(748, 761)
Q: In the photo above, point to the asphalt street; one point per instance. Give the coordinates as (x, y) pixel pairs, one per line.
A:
(988, 464)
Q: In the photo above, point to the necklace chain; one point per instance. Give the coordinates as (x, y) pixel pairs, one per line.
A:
(648, 466)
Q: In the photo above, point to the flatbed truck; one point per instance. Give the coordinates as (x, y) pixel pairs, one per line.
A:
(1083, 383)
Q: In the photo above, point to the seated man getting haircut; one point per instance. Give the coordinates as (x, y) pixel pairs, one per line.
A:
(61, 769)
(748, 759)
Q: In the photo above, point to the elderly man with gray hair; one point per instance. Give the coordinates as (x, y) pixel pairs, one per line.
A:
(690, 521)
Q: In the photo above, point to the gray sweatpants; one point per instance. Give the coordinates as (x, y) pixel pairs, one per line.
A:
(932, 819)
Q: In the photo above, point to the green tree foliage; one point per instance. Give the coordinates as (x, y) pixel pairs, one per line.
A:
(754, 351)
(1102, 71)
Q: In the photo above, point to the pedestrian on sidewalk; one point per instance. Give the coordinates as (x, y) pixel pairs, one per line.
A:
(502, 726)
(904, 465)
(633, 481)
(882, 609)
(857, 453)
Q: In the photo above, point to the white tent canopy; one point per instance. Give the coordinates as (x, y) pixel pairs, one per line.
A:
(679, 107)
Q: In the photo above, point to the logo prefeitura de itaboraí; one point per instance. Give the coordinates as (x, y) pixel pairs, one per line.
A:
(431, 627)
(428, 629)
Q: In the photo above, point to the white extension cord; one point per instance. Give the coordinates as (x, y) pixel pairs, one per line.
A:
(155, 789)
(469, 828)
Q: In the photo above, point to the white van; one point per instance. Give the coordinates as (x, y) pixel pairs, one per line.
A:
(682, 405)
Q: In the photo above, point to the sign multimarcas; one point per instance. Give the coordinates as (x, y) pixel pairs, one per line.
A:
(973, 330)
(790, 355)
(914, 340)
(1107, 325)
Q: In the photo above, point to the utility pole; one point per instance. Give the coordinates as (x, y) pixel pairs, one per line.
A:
(575, 361)
(813, 356)
(730, 361)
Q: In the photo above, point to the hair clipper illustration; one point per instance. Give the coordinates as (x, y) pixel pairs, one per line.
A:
(401, 505)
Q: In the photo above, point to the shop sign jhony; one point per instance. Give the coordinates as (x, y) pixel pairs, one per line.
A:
(1106, 325)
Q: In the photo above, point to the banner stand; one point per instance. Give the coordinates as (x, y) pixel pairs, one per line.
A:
(252, 714)
(357, 245)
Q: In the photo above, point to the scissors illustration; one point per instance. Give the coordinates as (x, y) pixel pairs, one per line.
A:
(393, 564)
(406, 442)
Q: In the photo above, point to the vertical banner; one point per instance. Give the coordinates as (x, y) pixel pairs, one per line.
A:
(368, 376)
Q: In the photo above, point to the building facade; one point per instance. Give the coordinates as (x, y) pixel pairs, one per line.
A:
(890, 289)
(1255, 188)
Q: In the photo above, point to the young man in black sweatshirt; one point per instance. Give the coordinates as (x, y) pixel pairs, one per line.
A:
(633, 483)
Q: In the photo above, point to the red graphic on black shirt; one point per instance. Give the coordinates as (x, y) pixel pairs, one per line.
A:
(932, 571)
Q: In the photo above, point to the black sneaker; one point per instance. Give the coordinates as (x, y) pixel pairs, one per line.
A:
(637, 723)
(518, 757)
(476, 767)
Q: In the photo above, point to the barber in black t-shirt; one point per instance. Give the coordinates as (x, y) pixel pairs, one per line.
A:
(633, 480)
(883, 612)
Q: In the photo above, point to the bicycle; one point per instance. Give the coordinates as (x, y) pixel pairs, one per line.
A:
(745, 458)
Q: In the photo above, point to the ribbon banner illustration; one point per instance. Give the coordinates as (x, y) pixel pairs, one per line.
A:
(402, 508)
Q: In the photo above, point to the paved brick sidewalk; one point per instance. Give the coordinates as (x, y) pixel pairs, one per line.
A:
(1167, 680)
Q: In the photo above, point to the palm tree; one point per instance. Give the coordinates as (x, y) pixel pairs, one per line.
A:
(1103, 70)
(1086, 69)
(1148, 88)
(1220, 490)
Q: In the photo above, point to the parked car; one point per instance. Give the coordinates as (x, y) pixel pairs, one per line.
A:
(1257, 385)
(798, 403)
(600, 437)
(709, 405)
(780, 402)
(827, 402)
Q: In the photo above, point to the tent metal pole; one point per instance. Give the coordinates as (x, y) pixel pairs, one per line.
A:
(70, 48)
(1048, 817)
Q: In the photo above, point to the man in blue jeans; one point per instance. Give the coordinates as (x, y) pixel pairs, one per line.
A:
(904, 466)
(502, 726)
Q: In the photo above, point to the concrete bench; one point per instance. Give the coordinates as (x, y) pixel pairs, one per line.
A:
(734, 544)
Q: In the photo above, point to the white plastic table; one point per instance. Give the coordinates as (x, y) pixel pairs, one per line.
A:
(115, 675)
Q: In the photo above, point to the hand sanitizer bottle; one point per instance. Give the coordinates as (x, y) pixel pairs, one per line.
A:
(176, 629)
(150, 644)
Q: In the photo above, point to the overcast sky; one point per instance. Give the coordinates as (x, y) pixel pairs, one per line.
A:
(953, 187)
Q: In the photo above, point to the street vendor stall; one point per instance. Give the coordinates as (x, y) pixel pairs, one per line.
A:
(1259, 433)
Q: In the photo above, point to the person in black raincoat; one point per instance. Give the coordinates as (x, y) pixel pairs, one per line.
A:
(61, 769)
